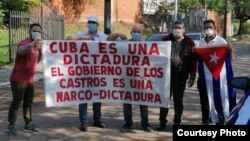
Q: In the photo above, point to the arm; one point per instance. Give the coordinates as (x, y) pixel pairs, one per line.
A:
(193, 68)
(23, 49)
(25, 45)
(40, 56)
(113, 36)
(230, 49)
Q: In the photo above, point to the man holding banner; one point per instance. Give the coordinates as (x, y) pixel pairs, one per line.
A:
(136, 33)
(91, 34)
(183, 68)
(215, 70)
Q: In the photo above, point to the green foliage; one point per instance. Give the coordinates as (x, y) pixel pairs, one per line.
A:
(19, 5)
(15, 5)
(147, 33)
(219, 5)
(1, 16)
(4, 44)
(186, 6)
(242, 12)
(242, 9)
(236, 24)
(239, 37)
(246, 27)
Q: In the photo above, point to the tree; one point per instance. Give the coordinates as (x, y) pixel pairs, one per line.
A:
(1, 15)
(164, 7)
(186, 6)
(242, 12)
(74, 8)
(17, 5)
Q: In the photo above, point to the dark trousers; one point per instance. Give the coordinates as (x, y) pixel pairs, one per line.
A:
(83, 114)
(203, 101)
(127, 111)
(177, 91)
(21, 92)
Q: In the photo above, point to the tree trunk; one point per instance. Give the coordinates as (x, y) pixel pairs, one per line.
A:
(240, 28)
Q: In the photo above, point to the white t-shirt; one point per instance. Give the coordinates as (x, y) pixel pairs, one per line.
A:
(98, 37)
(216, 41)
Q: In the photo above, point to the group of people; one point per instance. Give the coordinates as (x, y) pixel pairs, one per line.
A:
(183, 72)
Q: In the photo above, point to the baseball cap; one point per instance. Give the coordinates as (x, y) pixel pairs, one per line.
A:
(93, 19)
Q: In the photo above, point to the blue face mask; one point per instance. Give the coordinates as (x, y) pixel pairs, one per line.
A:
(136, 36)
(92, 27)
(34, 35)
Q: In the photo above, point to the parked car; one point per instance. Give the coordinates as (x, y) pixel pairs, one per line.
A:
(156, 37)
(240, 115)
(195, 36)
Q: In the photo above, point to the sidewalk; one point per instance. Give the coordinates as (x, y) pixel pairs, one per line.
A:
(62, 123)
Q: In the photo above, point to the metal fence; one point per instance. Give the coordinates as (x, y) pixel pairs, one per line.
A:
(19, 22)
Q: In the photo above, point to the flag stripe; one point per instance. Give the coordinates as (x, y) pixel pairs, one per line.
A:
(209, 93)
(231, 90)
(224, 92)
(217, 99)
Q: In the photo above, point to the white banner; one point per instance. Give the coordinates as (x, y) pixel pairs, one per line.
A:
(119, 72)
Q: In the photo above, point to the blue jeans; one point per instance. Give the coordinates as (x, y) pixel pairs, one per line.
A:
(127, 111)
(83, 115)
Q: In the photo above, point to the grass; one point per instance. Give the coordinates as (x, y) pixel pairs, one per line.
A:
(239, 37)
(4, 44)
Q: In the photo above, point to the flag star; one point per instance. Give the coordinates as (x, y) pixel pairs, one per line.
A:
(214, 58)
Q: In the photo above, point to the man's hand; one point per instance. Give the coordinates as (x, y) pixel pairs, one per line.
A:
(87, 37)
(190, 82)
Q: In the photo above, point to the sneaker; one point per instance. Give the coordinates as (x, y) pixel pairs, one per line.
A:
(99, 124)
(83, 127)
(205, 123)
(161, 127)
(147, 129)
(12, 130)
(126, 127)
(30, 128)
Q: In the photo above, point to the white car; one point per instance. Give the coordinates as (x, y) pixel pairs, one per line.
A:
(195, 36)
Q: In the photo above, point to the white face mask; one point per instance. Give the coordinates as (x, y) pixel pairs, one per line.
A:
(177, 32)
(209, 32)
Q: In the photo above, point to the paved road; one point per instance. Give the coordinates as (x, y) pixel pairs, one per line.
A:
(61, 123)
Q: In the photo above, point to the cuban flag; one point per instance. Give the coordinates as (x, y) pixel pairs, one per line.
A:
(240, 114)
(215, 71)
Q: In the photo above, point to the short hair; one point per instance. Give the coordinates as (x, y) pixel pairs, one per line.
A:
(178, 22)
(209, 21)
(35, 24)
